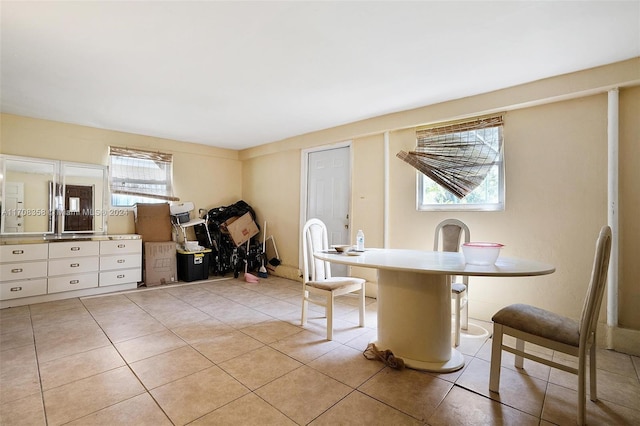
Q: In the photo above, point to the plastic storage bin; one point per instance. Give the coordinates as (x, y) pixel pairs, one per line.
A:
(193, 265)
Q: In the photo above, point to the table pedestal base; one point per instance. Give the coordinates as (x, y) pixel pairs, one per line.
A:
(414, 319)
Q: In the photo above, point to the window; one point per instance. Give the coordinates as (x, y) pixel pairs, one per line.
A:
(137, 176)
(460, 165)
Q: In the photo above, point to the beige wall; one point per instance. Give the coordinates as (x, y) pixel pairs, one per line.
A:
(206, 175)
(556, 165)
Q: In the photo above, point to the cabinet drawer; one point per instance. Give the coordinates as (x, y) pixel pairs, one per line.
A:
(120, 246)
(73, 282)
(108, 263)
(74, 249)
(21, 252)
(73, 266)
(120, 277)
(23, 271)
(16, 289)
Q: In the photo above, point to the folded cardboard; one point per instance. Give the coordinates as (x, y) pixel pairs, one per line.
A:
(241, 228)
(153, 222)
(160, 263)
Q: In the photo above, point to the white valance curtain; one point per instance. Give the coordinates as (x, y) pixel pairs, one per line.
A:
(457, 155)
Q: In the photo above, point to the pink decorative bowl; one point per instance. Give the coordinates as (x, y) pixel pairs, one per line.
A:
(478, 253)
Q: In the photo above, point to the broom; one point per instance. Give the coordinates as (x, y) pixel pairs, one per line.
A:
(262, 272)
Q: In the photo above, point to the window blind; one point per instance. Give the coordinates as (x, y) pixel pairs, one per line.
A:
(141, 173)
(458, 155)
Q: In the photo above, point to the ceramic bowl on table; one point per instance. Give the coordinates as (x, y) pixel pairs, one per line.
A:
(341, 248)
(480, 253)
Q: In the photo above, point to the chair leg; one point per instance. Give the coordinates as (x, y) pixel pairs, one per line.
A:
(465, 323)
(496, 359)
(592, 373)
(329, 311)
(582, 397)
(305, 306)
(457, 320)
(519, 361)
(362, 305)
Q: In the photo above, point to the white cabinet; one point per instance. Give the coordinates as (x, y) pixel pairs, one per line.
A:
(23, 270)
(52, 270)
(120, 262)
(73, 265)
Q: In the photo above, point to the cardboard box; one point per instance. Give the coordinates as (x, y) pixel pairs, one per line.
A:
(241, 228)
(153, 222)
(160, 263)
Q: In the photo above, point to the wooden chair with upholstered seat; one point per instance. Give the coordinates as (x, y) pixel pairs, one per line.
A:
(317, 278)
(535, 325)
(452, 230)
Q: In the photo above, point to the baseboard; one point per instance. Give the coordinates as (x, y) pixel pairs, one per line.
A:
(619, 339)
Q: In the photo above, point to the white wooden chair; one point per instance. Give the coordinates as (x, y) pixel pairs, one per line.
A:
(535, 325)
(317, 279)
(452, 230)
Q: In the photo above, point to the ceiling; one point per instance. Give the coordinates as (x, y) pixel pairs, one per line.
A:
(241, 74)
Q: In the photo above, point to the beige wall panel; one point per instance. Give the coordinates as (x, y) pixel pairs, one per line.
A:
(629, 278)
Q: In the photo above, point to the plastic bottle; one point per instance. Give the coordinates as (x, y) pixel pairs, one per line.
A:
(360, 240)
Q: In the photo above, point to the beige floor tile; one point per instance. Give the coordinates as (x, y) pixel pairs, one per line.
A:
(79, 366)
(239, 316)
(16, 311)
(181, 317)
(202, 331)
(271, 331)
(80, 398)
(251, 298)
(636, 364)
(518, 390)
(106, 304)
(247, 410)
(347, 365)
(259, 367)
(615, 362)
(462, 407)
(147, 346)
(57, 305)
(414, 393)
(19, 357)
(227, 346)
(76, 314)
(360, 409)
(140, 410)
(192, 397)
(305, 346)
(560, 407)
(314, 393)
(69, 345)
(169, 366)
(15, 323)
(18, 380)
(276, 308)
(16, 339)
(25, 411)
(343, 331)
(122, 328)
(362, 341)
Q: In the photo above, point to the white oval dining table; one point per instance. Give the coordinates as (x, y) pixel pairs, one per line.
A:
(414, 299)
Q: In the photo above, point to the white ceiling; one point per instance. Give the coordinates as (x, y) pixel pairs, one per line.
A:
(241, 74)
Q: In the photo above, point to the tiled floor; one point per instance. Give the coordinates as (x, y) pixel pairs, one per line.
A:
(229, 352)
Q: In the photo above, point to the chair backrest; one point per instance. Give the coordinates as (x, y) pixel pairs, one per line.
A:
(185, 207)
(451, 230)
(593, 300)
(314, 238)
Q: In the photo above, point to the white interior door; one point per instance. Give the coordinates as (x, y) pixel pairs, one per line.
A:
(14, 207)
(328, 194)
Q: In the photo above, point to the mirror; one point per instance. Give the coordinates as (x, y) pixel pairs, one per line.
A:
(83, 198)
(27, 195)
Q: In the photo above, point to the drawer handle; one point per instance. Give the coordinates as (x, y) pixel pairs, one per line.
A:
(18, 252)
(122, 245)
(75, 248)
(16, 288)
(74, 281)
(74, 265)
(120, 260)
(16, 270)
(121, 276)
